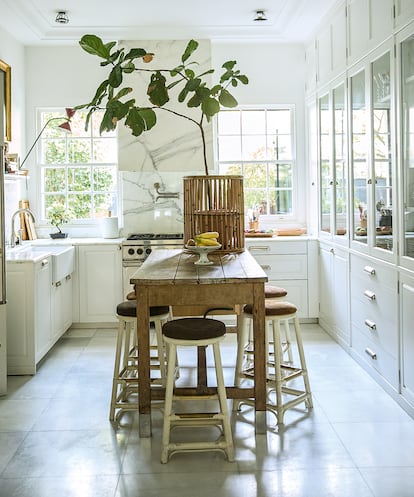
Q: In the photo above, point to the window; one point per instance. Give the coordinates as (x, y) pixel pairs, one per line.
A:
(78, 169)
(258, 143)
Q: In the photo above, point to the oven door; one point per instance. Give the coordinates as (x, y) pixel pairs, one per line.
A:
(128, 269)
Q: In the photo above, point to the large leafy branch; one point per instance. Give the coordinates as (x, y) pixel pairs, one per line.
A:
(194, 92)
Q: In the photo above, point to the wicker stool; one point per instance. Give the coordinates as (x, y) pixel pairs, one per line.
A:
(195, 332)
(125, 379)
(280, 372)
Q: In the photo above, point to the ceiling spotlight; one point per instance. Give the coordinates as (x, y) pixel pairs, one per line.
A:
(260, 16)
(62, 17)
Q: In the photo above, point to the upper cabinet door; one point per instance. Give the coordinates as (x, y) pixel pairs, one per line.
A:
(370, 22)
(404, 11)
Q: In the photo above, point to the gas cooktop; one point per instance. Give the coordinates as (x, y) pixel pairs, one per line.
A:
(155, 236)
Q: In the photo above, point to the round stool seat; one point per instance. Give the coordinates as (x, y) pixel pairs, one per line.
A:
(129, 309)
(277, 308)
(273, 292)
(131, 295)
(194, 329)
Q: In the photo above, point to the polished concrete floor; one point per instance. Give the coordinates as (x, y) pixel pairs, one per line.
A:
(56, 440)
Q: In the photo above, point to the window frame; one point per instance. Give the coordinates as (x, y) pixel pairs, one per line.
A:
(269, 218)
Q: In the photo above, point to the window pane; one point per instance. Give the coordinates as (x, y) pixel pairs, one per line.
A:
(253, 122)
(103, 179)
(54, 179)
(81, 205)
(281, 147)
(79, 150)
(254, 147)
(229, 148)
(79, 179)
(229, 123)
(280, 175)
(280, 201)
(279, 122)
(54, 199)
(52, 152)
(254, 176)
(105, 150)
(227, 169)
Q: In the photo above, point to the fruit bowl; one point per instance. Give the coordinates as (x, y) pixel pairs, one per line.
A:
(202, 251)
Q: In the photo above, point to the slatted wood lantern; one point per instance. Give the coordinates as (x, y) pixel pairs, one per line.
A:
(215, 203)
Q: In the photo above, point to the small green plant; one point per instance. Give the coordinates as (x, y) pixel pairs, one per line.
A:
(58, 214)
(118, 105)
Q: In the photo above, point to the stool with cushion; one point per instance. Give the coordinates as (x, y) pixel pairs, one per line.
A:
(195, 332)
(125, 378)
(279, 371)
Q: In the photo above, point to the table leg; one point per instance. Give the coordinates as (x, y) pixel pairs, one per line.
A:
(259, 333)
(144, 372)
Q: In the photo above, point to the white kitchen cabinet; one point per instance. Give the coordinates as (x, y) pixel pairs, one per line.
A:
(29, 322)
(404, 11)
(99, 275)
(407, 336)
(334, 292)
(62, 305)
(374, 316)
(370, 22)
(290, 263)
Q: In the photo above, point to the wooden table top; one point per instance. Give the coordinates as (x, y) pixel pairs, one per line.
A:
(176, 266)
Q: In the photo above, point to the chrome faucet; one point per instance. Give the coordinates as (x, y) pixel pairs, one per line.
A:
(13, 234)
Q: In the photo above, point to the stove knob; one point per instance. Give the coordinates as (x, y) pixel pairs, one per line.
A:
(131, 251)
(140, 251)
(148, 251)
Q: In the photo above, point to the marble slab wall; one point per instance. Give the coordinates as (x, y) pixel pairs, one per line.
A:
(165, 154)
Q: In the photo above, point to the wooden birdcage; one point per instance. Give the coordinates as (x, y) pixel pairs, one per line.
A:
(215, 203)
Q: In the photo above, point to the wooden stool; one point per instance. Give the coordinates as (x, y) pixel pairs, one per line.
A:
(125, 379)
(195, 332)
(279, 372)
(273, 293)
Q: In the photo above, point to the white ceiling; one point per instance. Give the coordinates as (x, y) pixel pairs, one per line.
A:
(33, 21)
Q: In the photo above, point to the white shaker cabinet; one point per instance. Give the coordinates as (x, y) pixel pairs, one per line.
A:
(407, 337)
(334, 292)
(292, 264)
(99, 282)
(29, 322)
(62, 303)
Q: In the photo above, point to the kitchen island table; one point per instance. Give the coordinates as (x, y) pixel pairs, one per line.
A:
(170, 277)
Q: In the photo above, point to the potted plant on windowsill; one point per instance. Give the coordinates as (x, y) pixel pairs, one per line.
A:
(58, 215)
(205, 193)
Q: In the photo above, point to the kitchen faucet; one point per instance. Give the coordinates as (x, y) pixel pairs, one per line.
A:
(13, 234)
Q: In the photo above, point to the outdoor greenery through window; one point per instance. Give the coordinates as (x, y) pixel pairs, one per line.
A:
(78, 169)
(259, 145)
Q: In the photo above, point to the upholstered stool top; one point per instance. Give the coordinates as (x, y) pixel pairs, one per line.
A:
(131, 295)
(129, 309)
(271, 292)
(274, 308)
(194, 329)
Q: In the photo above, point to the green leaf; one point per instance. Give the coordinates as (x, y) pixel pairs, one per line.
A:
(122, 92)
(157, 91)
(229, 65)
(226, 99)
(210, 107)
(190, 48)
(189, 73)
(194, 101)
(128, 67)
(115, 77)
(216, 89)
(140, 120)
(183, 94)
(135, 53)
(107, 123)
(95, 46)
(243, 79)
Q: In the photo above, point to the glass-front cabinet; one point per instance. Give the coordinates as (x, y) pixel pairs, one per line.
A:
(372, 156)
(406, 57)
(333, 165)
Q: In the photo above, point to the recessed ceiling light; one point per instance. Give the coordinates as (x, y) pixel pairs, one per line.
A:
(260, 16)
(62, 17)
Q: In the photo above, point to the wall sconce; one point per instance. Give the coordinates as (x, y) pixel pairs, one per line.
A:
(62, 17)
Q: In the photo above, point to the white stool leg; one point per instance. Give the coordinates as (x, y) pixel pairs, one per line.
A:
(278, 369)
(115, 380)
(309, 402)
(171, 364)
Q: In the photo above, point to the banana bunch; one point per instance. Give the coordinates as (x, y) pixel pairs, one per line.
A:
(209, 238)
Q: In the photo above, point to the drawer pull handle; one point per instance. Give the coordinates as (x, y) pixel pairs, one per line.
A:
(370, 295)
(369, 269)
(266, 267)
(371, 325)
(45, 262)
(371, 353)
(257, 248)
(58, 283)
(68, 277)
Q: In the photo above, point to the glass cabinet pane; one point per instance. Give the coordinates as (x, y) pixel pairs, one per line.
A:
(325, 163)
(340, 163)
(381, 151)
(407, 92)
(359, 163)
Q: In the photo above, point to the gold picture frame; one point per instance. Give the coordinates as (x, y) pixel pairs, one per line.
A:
(7, 98)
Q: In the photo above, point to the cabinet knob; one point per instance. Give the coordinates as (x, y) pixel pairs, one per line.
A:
(58, 283)
(371, 325)
(370, 295)
(369, 270)
(45, 262)
(371, 353)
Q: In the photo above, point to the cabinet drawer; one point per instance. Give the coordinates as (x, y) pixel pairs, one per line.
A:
(375, 357)
(284, 267)
(378, 320)
(367, 274)
(265, 247)
(297, 293)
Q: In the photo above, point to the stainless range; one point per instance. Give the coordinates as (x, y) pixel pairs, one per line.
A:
(138, 246)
